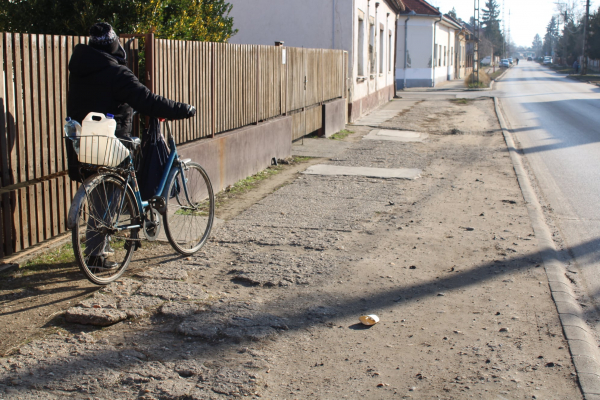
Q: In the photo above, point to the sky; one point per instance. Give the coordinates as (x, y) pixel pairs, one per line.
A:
(527, 17)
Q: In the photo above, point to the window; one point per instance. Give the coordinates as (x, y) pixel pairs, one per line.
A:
(445, 54)
(381, 51)
(372, 59)
(440, 56)
(361, 45)
(390, 52)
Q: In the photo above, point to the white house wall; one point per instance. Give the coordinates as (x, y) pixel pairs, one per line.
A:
(445, 39)
(425, 67)
(420, 52)
(368, 83)
(318, 24)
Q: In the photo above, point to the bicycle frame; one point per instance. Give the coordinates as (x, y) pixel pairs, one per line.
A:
(173, 161)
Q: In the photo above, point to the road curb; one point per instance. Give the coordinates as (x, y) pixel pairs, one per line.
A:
(582, 345)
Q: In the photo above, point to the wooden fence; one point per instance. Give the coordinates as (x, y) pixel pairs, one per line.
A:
(231, 85)
(593, 65)
(234, 85)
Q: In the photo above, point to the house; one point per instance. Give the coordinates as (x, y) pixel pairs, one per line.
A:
(463, 57)
(366, 29)
(426, 44)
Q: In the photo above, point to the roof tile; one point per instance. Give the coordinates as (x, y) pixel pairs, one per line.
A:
(419, 7)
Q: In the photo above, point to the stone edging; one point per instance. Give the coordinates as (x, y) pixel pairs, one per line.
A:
(582, 344)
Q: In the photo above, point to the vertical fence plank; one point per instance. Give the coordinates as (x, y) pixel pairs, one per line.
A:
(51, 129)
(5, 215)
(36, 136)
(28, 111)
(59, 204)
(11, 115)
(45, 128)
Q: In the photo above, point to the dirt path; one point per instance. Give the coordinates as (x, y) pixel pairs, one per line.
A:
(270, 307)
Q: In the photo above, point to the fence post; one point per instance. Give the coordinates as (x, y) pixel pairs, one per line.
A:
(149, 45)
(257, 83)
(212, 90)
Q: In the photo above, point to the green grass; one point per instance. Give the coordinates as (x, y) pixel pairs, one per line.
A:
(244, 185)
(201, 211)
(476, 85)
(496, 74)
(341, 135)
(300, 159)
(462, 101)
(55, 259)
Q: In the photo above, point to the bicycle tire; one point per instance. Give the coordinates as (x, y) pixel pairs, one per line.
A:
(188, 226)
(95, 209)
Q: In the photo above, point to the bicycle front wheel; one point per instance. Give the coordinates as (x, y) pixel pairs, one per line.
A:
(190, 209)
(102, 251)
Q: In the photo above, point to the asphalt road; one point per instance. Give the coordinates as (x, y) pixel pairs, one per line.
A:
(556, 120)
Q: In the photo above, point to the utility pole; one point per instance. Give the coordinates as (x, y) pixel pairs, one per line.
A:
(503, 32)
(508, 39)
(585, 25)
(476, 42)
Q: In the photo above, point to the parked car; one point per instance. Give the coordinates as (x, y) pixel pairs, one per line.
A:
(504, 63)
(486, 60)
(547, 60)
(510, 60)
(529, 58)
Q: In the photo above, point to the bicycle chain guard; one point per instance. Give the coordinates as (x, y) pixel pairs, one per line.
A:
(159, 203)
(152, 224)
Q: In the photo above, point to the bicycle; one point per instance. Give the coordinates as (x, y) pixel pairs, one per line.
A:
(107, 213)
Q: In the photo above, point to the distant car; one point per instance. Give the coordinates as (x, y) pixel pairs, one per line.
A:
(486, 60)
(510, 60)
(504, 63)
(529, 58)
(547, 60)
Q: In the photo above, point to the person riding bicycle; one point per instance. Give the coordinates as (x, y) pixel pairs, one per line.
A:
(100, 81)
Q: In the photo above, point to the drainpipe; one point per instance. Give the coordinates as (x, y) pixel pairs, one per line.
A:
(368, 25)
(377, 56)
(333, 24)
(351, 60)
(396, 52)
(449, 62)
(386, 70)
(406, 45)
(435, 48)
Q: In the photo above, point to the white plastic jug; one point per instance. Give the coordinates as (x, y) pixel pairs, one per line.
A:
(103, 126)
(98, 143)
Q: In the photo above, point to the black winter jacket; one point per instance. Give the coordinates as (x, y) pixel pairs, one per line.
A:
(99, 82)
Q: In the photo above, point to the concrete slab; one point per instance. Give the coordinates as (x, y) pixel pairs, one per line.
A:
(386, 173)
(396, 135)
(383, 114)
(319, 147)
(377, 118)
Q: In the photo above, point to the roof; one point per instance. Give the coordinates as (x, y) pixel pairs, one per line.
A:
(396, 5)
(452, 22)
(448, 16)
(420, 7)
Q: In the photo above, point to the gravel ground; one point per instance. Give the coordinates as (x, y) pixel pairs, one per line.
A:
(269, 308)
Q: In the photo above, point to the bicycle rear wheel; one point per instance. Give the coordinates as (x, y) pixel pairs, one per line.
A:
(190, 209)
(101, 251)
